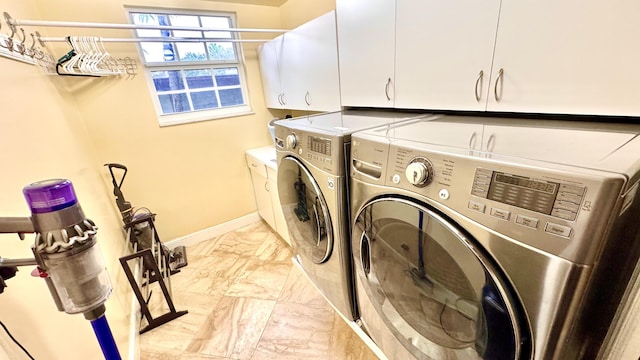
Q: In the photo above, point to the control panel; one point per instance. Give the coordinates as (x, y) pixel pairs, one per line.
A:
(317, 149)
(546, 197)
(559, 209)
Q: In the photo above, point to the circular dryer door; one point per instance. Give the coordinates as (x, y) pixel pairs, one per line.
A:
(433, 288)
(305, 211)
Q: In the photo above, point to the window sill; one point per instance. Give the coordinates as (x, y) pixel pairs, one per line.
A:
(180, 119)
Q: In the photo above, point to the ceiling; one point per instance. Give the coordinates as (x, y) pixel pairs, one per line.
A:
(256, 2)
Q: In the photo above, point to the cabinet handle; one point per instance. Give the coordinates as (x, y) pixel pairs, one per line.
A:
(284, 99)
(280, 99)
(472, 141)
(479, 82)
(307, 98)
(386, 89)
(491, 142)
(498, 80)
(266, 186)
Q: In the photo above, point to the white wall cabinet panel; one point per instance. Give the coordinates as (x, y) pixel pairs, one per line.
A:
(304, 64)
(268, 56)
(571, 57)
(320, 49)
(366, 44)
(444, 51)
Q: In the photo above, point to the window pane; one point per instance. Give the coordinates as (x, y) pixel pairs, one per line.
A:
(231, 97)
(200, 78)
(167, 80)
(216, 22)
(153, 51)
(227, 77)
(221, 51)
(204, 100)
(174, 103)
(191, 51)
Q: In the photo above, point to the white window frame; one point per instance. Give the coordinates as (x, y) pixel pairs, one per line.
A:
(194, 115)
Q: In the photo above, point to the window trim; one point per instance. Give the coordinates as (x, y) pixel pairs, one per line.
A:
(194, 115)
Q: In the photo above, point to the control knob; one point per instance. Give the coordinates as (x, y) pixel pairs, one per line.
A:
(419, 172)
(292, 141)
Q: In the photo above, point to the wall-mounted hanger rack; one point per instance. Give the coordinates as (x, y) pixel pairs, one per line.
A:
(16, 46)
(93, 52)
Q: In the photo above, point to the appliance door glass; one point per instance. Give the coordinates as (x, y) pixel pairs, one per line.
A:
(305, 211)
(432, 287)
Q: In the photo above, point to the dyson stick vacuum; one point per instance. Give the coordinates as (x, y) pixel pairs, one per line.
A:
(67, 255)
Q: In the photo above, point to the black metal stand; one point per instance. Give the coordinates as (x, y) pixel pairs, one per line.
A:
(155, 267)
(149, 260)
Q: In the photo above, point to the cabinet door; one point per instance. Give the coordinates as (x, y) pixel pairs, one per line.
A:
(320, 48)
(443, 53)
(572, 57)
(293, 74)
(263, 196)
(366, 44)
(270, 72)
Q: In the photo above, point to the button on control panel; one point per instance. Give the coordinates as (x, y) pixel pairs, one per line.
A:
(559, 230)
(500, 214)
(476, 206)
(527, 221)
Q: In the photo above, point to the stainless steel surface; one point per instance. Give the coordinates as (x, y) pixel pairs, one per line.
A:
(568, 264)
(319, 146)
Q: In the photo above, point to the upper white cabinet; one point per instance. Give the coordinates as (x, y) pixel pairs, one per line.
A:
(568, 57)
(443, 53)
(306, 65)
(366, 44)
(572, 57)
(269, 54)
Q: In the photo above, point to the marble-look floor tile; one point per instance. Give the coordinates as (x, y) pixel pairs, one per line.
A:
(233, 328)
(295, 332)
(297, 289)
(345, 343)
(274, 249)
(274, 311)
(261, 280)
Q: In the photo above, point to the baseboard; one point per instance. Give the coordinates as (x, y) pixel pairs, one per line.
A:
(214, 231)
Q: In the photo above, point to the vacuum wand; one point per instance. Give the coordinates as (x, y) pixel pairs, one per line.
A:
(68, 256)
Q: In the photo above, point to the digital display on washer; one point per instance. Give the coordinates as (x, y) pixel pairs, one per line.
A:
(319, 145)
(526, 183)
(523, 192)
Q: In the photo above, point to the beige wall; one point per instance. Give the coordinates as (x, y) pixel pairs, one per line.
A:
(297, 12)
(193, 176)
(42, 136)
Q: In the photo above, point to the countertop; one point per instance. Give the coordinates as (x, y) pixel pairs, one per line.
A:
(266, 155)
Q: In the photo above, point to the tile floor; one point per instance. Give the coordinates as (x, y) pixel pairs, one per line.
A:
(247, 301)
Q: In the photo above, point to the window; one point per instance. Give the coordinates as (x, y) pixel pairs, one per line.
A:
(192, 79)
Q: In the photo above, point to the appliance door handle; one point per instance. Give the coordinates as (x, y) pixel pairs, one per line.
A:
(365, 253)
(479, 85)
(315, 213)
(495, 88)
(386, 89)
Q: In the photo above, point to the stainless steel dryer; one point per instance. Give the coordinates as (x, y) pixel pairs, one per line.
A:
(312, 153)
(478, 238)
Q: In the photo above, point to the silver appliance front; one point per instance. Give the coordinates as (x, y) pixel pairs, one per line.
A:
(431, 285)
(312, 203)
(553, 243)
